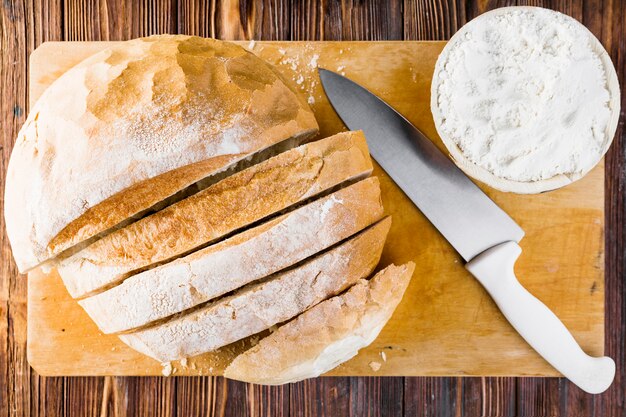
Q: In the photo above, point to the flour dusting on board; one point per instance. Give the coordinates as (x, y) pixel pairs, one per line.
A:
(302, 63)
(167, 368)
(313, 62)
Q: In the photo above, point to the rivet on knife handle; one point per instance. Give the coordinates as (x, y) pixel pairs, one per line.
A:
(539, 326)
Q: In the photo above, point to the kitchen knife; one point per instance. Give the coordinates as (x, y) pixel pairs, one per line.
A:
(483, 234)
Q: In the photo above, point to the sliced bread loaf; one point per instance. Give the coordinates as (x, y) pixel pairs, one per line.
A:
(262, 305)
(231, 204)
(327, 335)
(256, 253)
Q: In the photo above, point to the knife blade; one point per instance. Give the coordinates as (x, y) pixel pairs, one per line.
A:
(485, 236)
(464, 215)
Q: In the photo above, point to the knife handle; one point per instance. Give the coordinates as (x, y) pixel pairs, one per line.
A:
(536, 323)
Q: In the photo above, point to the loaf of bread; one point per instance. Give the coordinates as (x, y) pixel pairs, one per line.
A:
(131, 126)
(172, 182)
(327, 335)
(256, 253)
(235, 202)
(262, 305)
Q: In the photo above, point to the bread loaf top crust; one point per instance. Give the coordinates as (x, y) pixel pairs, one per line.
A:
(132, 125)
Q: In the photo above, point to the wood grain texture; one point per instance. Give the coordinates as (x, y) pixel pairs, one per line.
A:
(24, 24)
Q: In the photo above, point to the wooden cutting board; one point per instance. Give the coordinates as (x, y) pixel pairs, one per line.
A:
(446, 323)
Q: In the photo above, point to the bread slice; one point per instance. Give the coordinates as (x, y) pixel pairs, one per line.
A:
(256, 253)
(328, 334)
(262, 305)
(235, 202)
(130, 126)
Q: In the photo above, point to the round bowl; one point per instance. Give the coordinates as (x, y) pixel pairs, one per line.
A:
(523, 187)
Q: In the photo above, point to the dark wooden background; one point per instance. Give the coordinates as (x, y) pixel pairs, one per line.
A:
(26, 24)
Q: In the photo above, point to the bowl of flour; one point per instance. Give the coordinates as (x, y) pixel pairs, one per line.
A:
(525, 99)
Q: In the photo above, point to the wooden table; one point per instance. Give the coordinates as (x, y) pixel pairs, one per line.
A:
(25, 24)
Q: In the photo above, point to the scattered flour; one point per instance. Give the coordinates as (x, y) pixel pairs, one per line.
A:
(304, 64)
(313, 62)
(523, 94)
(291, 61)
(375, 366)
(252, 44)
(167, 369)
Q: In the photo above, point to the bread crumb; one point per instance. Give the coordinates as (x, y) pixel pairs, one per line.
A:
(281, 51)
(375, 366)
(251, 44)
(183, 362)
(300, 80)
(273, 328)
(311, 100)
(384, 356)
(167, 368)
(193, 365)
(211, 370)
(341, 51)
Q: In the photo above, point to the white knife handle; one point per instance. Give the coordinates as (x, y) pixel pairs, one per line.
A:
(539, 326)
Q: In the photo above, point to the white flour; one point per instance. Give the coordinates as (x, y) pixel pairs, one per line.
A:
(524, 95)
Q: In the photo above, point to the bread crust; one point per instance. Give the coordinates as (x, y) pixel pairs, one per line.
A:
(328, 334)
(262, 305)
(130, 126)
(237, 201)
(218, 269)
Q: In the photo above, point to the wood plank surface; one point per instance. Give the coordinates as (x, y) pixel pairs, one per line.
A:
(24, 24)
(446, 323)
